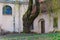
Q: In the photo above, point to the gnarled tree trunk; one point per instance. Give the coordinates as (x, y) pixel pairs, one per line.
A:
(29, 16)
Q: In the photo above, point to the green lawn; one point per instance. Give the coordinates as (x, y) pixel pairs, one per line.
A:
(50, 36)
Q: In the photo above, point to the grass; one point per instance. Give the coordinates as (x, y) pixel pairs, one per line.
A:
(49, 36)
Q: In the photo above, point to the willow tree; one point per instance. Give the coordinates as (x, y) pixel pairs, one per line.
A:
(29, 17)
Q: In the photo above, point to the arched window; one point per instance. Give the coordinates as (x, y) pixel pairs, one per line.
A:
(7, 10)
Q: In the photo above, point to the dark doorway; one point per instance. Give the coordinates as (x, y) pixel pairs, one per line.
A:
(42, 26)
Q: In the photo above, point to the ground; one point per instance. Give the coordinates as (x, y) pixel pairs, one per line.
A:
(49, 36)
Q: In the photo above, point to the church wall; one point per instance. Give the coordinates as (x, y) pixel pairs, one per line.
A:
(57, 14)
(6, 21)
(48, 23)
(58, 21)
(23, 9)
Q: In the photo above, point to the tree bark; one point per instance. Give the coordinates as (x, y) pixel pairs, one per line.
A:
(29, 17)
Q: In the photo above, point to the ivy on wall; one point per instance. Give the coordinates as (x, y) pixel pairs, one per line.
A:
(55, 24)
(53, 5)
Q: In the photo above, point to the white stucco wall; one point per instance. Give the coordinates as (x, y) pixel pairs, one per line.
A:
(23, 9)
(48, 23)
(6, 21)
(58, 15)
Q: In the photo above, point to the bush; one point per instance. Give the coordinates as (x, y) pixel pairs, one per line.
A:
(57, 31)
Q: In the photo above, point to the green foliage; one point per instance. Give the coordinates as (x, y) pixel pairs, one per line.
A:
(48, 36)
(55, 24)
(56, 5)
(53, 5)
